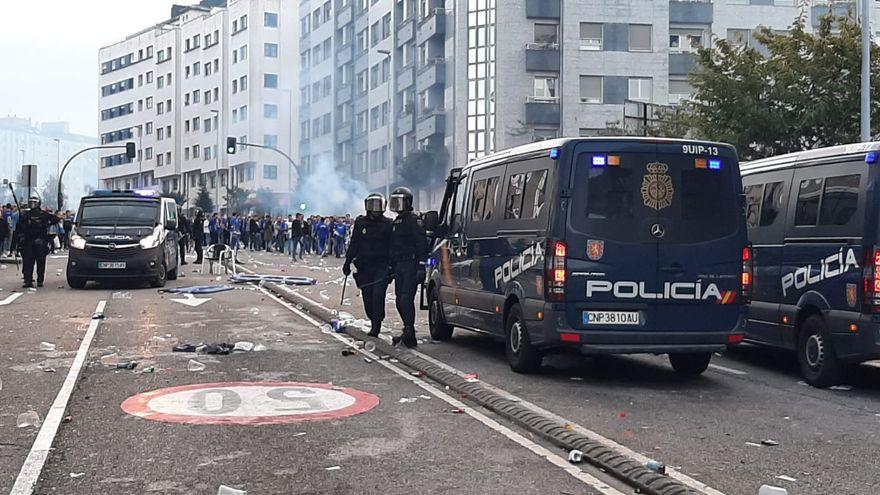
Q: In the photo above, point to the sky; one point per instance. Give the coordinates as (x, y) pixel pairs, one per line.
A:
(50, 54)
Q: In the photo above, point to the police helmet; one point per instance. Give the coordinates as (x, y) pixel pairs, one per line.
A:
(401, 200)
(34, 202)
(375, 203)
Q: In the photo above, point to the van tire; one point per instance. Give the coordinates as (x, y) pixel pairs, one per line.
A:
(440, 330)
(172, 275)
(690, 364)
(521, 354)
(815, 352)
(161, 277)
(76, 282)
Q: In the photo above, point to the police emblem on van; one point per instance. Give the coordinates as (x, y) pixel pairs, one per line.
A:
(595, 250)
(852, 295)
(657, 190)
(829, 267)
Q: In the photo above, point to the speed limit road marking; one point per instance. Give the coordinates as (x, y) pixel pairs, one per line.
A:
(249, 403)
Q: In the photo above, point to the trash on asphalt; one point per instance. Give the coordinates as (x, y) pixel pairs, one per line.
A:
(458, 410)
(370, 346)
(194, 365)
(472, 377)
(243, 346)
(110, 359)
(418, 373)
(225, 490)
(121, 295)
(786, 478)
(425, 397)
(772, 490)
(149, 369)
(259, 348)
(184, 348)
(841, 388)
(46, 346)
(198, 289)
(348, 352)
(222, 348)
(367, 360)
(407, 400)
(769, 443)
(242, 278)
(48, 370)
(332, 468)
(656, 466)
(753, 444)
(130, 365)
(28, 419)
(575, 457)
(77, 475)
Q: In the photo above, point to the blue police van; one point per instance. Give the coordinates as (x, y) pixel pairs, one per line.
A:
(601, 245)
(812, 219)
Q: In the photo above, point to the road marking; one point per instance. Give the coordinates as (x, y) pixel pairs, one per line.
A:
(36, 459)
(12, 297)
(535, 448)
(727, 370)
(191, 300)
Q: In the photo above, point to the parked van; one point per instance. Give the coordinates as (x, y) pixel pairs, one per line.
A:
(602, 245)
(123, 235)
(812, 219)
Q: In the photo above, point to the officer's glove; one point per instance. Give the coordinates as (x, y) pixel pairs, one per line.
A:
(346, 268)
(421, 273)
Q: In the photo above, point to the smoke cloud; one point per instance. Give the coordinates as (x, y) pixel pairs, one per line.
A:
(327, 192)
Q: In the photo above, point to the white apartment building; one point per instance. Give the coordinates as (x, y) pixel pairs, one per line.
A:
(179, 88)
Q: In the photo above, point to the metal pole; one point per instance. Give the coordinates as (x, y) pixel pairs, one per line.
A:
(387, 54)
(217, 161)
(866, 71)
(80, 152)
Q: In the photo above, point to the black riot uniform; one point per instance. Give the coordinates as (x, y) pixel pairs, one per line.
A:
(409, 255)
(33, 242)
(368, 249)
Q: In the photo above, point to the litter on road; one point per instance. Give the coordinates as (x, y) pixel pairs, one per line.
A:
(772, 490)
(194, 365)
(242, 278)
(841, 388)
(28, 419)
(225, 490)
(198, 289)
(656, 466)
(785, 478)
(769, 443)
(575, 457)
(110, 359)
(47, 347)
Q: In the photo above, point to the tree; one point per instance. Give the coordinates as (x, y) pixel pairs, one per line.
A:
(423, 166)
(203, 200)
(235, 198)
(796, 91)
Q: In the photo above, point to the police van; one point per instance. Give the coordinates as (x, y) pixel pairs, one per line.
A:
(601, 245)
(123, 235)
(812, 219)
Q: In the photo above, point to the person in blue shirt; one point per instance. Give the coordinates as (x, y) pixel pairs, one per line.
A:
(323, 233)
(234, 233)
(214, 228)
(340, 229)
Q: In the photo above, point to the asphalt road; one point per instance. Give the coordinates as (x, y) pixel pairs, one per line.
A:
(710, 428)
(397, 433)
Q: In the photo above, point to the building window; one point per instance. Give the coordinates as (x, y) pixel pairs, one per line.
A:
(242, 83)
(591, 89)
(546, 34)
(270, 50)
(270, 140)
(270, 111)
(270, 19)
(591, 36)
(545, 87)
(640, 88)
(270, 81)
(740, 37)
(640, 37)
(270, 172)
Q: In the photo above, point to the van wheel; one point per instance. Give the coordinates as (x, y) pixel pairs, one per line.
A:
(172, 275)
(692, 364)
(816, 356)
(76, 282)
(161, 277)
(440, 330)
(521, 354)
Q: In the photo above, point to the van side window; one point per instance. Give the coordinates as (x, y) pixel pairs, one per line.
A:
(493, 190)
(840, 200)
(774, 195)
(753, 204)
(484, 199)
(515, 187)
(533, 200)
(809, 197)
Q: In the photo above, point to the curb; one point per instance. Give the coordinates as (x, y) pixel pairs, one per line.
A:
(619, 466)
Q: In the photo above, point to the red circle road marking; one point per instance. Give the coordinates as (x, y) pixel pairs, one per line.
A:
(139, 405)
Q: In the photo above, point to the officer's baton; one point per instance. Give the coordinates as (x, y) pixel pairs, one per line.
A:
(344, 284)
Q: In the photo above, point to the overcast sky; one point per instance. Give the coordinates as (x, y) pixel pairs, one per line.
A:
(50, 54)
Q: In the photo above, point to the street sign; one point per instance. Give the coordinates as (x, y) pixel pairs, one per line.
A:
(249, 403)
(29, 176)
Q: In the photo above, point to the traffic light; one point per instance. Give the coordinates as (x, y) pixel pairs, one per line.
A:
(130, 151)
(231, 145)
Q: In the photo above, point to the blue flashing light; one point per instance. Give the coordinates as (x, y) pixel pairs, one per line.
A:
(149, 193)
(714, 164)
(872, 157)
(554, 153)
(432, 262)
(600, 160)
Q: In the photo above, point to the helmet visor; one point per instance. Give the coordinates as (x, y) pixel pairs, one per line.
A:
(375, 204)
(398, 202)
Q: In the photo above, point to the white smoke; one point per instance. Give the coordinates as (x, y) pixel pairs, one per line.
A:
(327, 192)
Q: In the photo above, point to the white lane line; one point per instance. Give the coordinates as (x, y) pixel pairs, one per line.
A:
(12, 297)
(592, 435)
(36, 459)
(537, 449)
(725, 369)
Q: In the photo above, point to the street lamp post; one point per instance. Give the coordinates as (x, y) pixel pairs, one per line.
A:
(388, 166)
(866, 72)
(264, 147)
(130, 151)
(217, 159)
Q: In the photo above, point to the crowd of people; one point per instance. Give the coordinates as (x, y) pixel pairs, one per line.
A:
(58, 232)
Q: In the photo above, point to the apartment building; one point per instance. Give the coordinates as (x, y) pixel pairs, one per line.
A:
(178, 89)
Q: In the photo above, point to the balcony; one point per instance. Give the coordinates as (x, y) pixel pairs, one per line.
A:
(431, 123)
(405, 124)
(690, 12)
(344, 15)
(432, 74)
(542, 111)
(343, 94)
(681, 64)
(344, 133)
(433, 25)
(344, 54)
(542, 57)
(405, 78)
(542, 9)
(406, 32)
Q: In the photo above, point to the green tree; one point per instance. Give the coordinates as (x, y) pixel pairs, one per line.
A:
(204, 201)
(424, 166)
(797, 90)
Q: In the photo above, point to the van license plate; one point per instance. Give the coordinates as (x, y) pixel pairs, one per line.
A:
(611, 318)
(111, 265)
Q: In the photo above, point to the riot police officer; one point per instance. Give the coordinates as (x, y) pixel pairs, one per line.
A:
(409, 255)
(368, 249)
(33, 241)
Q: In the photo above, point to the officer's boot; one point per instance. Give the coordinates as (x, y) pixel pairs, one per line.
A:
(407, 338)
(375, 328)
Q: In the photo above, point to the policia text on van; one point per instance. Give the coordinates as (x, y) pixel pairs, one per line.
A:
(813, 218)
(127, 235)
(603, 245)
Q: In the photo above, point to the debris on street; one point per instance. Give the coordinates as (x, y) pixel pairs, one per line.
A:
(28, 419)
(575, 456)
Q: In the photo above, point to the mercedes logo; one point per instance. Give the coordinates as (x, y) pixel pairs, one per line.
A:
(111, 246)
(657, 230)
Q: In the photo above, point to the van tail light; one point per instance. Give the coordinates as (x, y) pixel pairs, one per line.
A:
(748, 274)
(555, 273)
(871, 281)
